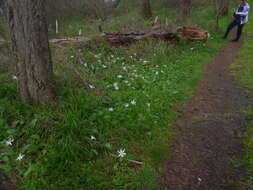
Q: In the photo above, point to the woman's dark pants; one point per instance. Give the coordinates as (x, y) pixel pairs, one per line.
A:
(239, 29)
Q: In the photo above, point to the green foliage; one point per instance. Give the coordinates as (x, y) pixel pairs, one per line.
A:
(108, 99)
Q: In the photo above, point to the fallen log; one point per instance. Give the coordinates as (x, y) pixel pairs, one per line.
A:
(126, 38)
(129, 37)
(193, 33)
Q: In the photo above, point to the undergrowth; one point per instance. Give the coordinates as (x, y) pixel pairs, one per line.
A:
(110, 128)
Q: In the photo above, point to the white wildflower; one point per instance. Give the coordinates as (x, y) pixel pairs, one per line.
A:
(20, 157)
(104, 66)
(126, 105)
(9, 142)
(121, 153)
(148, 104)
(116, 88)
(72, 56)
(93, 138)
(192, 49)
(120, 76)
(111, 109)
(14, 77)
(80, 32)
(91, 86)
(133, 102)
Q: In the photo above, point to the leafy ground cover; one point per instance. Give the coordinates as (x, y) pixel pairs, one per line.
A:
(115, 106)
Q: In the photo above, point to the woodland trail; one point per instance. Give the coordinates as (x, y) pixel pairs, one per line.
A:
(207, 133)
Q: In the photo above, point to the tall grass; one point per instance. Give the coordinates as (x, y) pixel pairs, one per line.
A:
(110, 128)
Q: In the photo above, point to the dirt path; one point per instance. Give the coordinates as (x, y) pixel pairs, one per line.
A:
(207, 132)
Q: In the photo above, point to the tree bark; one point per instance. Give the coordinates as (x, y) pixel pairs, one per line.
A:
(147, 13)
(116, 3)
(185, 7)
(29, 35)
(224, 7)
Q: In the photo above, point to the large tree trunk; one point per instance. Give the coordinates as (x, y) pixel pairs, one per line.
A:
(146, 9)
(29, 34)
(185, 7)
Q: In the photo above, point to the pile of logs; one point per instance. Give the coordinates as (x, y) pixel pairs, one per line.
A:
(126, 38)
(193, 33)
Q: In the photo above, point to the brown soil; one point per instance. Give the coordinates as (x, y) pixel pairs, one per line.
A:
(207, 132)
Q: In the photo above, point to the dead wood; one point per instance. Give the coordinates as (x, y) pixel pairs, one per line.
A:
(128, 37)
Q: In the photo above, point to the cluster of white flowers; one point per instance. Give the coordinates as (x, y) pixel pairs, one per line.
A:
(9, 142)
(115, 85)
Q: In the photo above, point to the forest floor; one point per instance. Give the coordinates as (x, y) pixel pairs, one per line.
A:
(208, 131)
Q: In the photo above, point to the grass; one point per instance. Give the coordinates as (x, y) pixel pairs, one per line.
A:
(243, 70)
(109, 100)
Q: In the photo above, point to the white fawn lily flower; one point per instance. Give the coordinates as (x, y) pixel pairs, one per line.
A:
(9, 142)
(121, 153)
(133, 102)
(14, 77)
(111, 109)
(20, 157)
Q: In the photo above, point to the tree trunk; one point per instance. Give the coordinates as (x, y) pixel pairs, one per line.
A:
(224, 7)
(29, 35)
(185, 7)
(146, 9)
(116, 3)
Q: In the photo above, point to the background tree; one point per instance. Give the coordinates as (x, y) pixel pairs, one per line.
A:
(185, 8)
(146, 9)
(224, 7)
(221, 9)
(29, 35)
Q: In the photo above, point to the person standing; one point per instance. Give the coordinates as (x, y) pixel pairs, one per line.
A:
(240, 19)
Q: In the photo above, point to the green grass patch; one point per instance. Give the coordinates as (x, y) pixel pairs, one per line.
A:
(109, 99)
